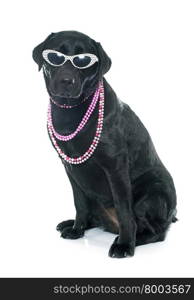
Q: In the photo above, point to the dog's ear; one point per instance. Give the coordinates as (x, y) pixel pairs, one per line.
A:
(104, 60)
(37, 52)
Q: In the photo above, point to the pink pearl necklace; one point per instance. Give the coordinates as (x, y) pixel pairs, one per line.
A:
(91, 149)
(83, 122)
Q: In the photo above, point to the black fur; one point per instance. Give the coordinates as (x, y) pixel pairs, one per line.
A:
(124, 187)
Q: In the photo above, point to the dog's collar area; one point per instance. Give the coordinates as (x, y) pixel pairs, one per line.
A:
(67, 106)
(99, 94)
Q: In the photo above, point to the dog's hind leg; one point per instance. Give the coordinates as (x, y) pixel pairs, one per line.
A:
(154, 224)
(154, 205)
(148, 237)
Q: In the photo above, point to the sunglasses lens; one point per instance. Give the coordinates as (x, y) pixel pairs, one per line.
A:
(81, 61)
(55, 58)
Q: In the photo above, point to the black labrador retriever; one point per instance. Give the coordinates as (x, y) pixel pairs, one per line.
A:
(119, 183)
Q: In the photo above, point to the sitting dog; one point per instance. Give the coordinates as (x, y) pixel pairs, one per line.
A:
(119, 183)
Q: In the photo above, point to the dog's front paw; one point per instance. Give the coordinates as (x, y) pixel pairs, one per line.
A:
(65, 224)
(72, 233)
(121, 250)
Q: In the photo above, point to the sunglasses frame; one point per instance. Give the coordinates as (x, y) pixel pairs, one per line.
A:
(93, 57)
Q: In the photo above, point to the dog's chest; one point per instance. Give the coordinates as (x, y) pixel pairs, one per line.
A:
(91, 179)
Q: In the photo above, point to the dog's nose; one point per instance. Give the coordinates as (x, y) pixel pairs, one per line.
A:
(68, 81)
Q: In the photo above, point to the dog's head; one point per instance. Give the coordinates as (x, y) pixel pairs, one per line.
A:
(74, 68)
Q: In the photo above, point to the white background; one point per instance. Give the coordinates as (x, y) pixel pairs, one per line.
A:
(152, 49)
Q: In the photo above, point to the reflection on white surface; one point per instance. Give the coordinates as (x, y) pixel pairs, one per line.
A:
(98, 238)
(95, 237)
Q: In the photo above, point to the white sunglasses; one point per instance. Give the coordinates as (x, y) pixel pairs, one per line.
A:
(80, 61)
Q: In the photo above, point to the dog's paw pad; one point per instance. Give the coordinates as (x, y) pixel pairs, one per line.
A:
(121, 250)
(72, 233)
